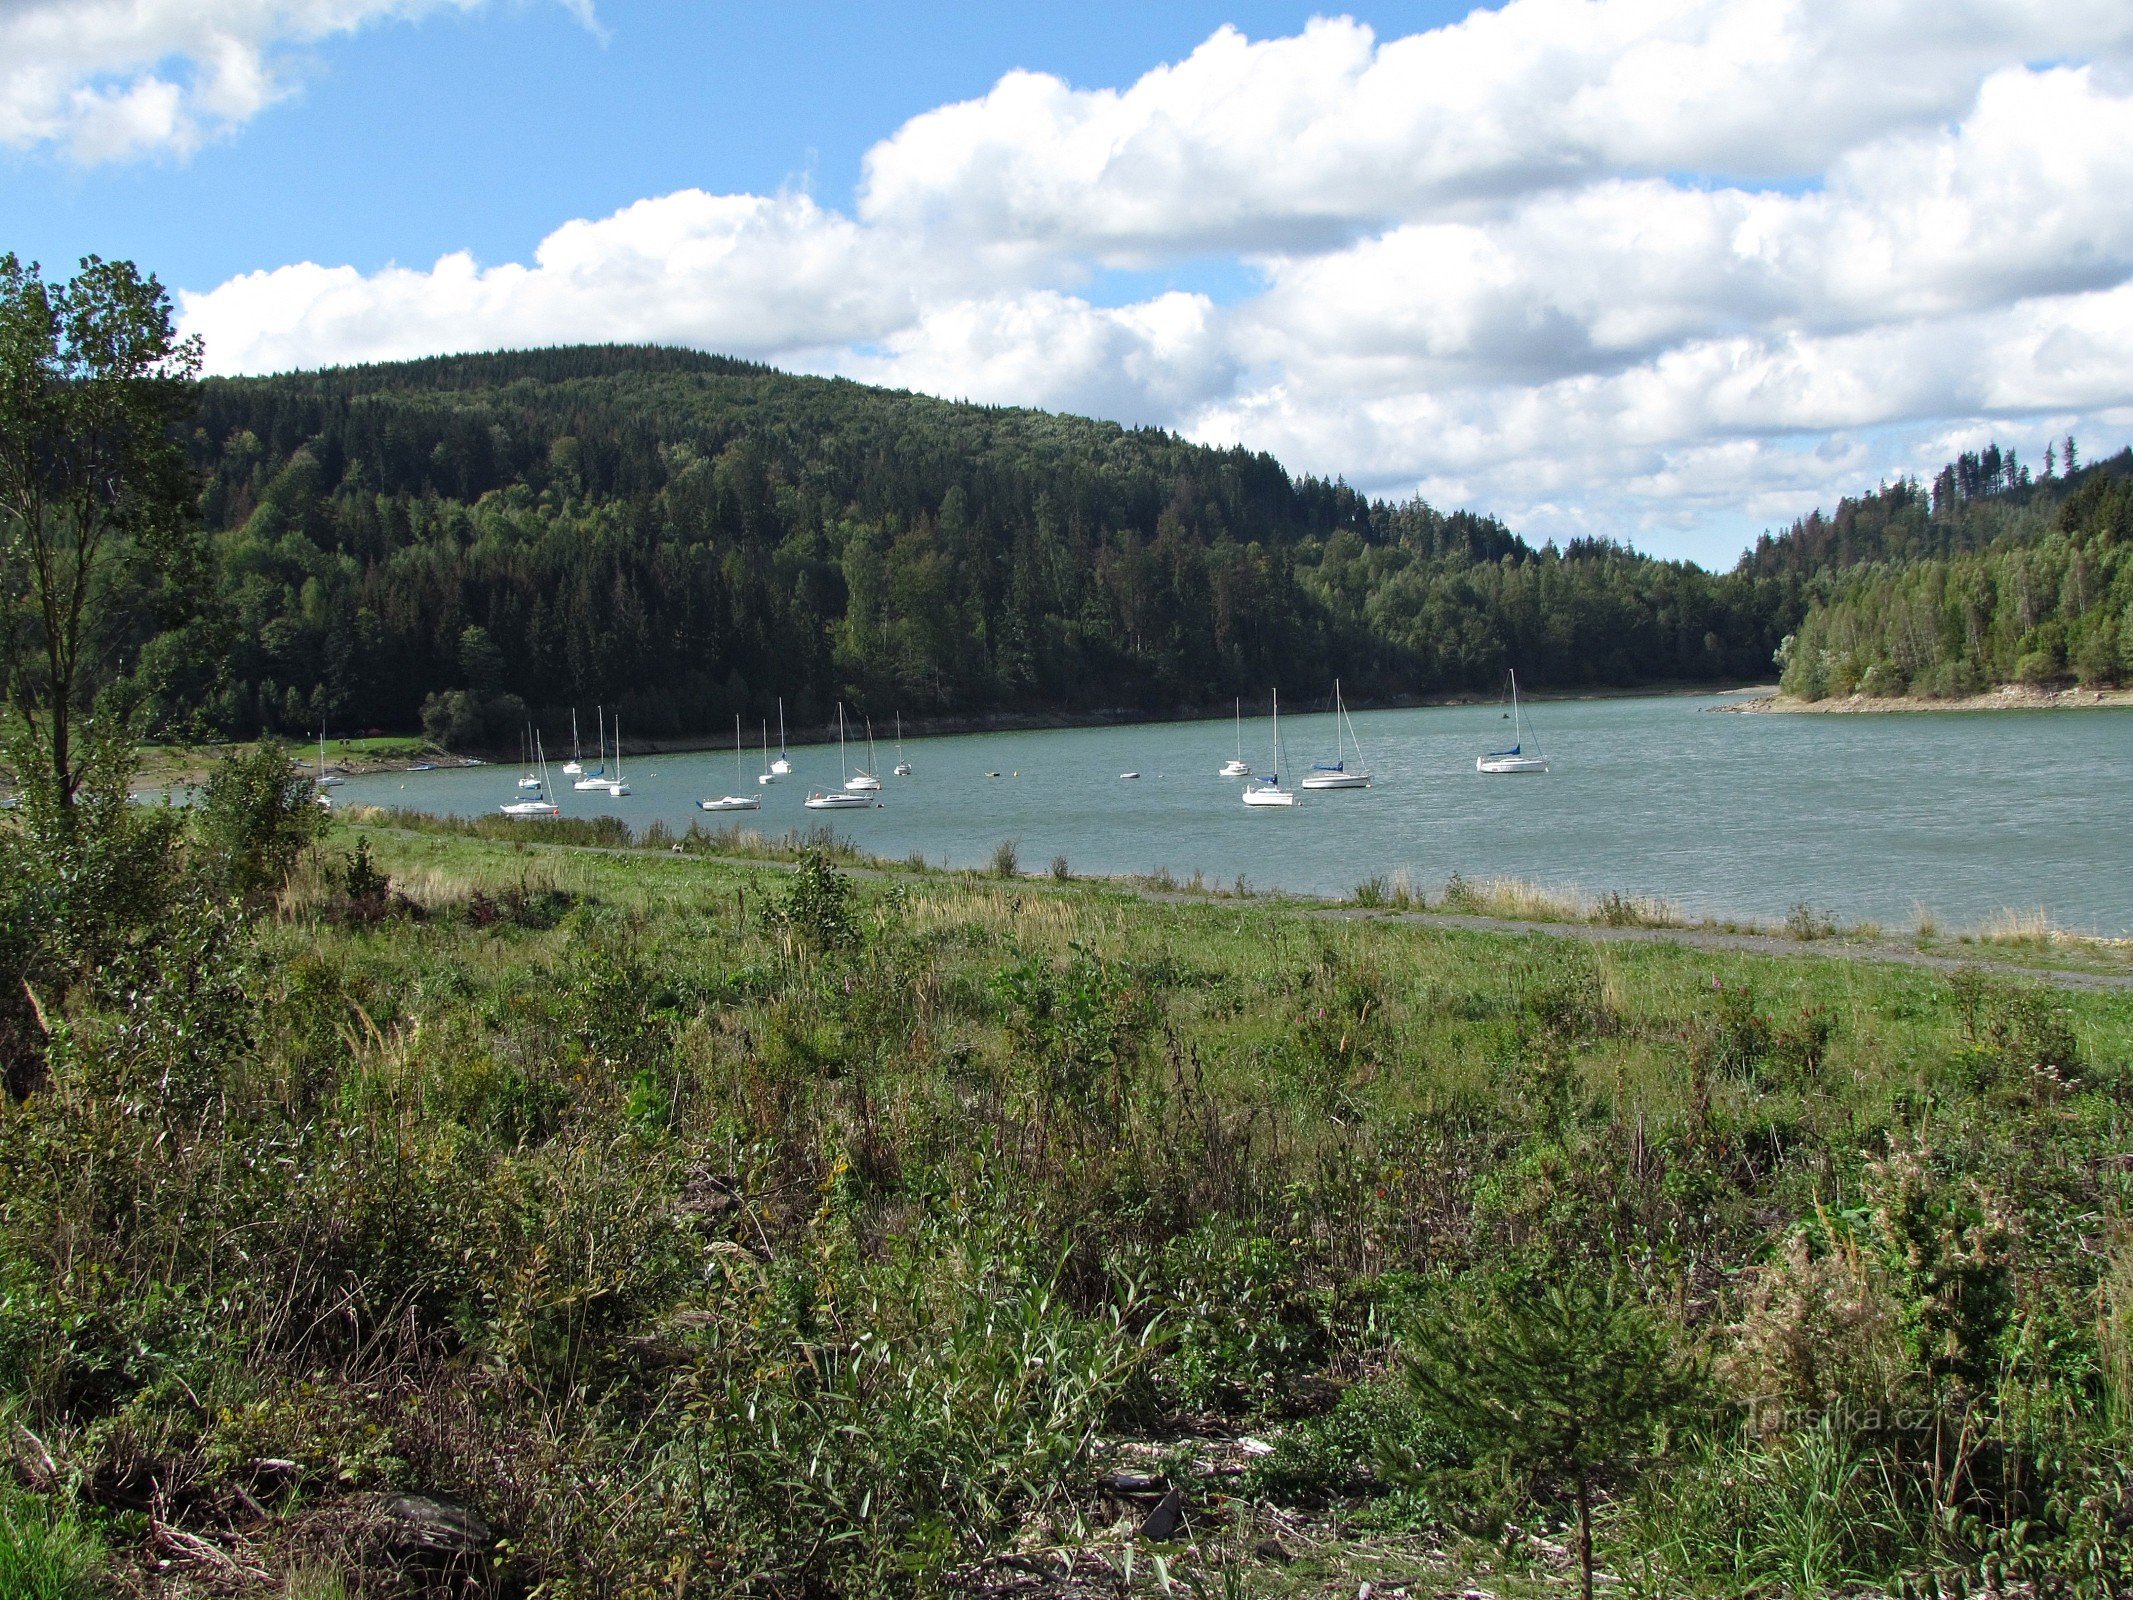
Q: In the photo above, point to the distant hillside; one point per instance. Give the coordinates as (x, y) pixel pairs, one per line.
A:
(468, 540)
(1978, 499)
(2038, 608)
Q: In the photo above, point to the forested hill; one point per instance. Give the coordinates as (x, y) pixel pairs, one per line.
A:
(1980, 498)
(2045, 611)
(466, 540)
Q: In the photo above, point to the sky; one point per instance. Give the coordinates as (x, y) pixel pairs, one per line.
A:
(1666, 271)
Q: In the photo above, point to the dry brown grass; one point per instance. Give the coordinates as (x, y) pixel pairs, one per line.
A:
(1523, 900)
(2033, 929)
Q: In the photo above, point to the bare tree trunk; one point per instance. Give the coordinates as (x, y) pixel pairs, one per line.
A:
(1584, 1538)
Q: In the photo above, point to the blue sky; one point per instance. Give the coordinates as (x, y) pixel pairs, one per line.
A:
(482, 131)
(1671, 271)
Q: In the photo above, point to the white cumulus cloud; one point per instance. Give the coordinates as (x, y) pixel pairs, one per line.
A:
(108, 80)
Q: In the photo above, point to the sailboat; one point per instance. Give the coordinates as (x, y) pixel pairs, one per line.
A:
(1518, 758)
(736, 802)
(1236, 766)
(902, 769)
(783, 765)
(574, 765)
(1268, 790)
(766, 776)
(595, 776)
(863, 781)
(1335, 774)
(540, 805)
(844, 799)
(325, 779)
(530, 780)
(620, 785)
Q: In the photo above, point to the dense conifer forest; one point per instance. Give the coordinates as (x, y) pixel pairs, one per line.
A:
(466, 541)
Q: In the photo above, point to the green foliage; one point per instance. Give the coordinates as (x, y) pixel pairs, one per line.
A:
(361, 881)
(45, 1552)
(2043, 603)
(816, 909)
(454, 541)
(811, 1250)
(1375, 1438)
(96, 545)
(1573, 1379)
(253, 818)
(1081, 1024)
(1246, 1323)
(1950, 1250)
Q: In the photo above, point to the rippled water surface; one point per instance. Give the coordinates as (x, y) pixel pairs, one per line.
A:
(1866, 816)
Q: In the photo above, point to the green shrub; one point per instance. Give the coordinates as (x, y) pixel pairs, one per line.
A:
(253, 818)
(816, 908)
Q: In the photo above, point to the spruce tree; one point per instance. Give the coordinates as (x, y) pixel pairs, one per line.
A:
(1572, 1380)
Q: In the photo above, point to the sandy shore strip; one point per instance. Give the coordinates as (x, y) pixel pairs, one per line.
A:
(2009, 697)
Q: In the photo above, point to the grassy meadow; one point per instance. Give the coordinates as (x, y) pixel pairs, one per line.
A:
(496, 1215)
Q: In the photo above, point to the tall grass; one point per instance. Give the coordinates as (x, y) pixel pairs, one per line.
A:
(45, 1552)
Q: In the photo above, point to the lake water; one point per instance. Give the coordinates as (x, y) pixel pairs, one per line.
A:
(1868, 817)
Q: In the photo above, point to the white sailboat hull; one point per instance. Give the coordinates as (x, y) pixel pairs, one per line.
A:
(1336, 780)
(1510, 764)
(863, 783)
(780, 767)
(1269, 797)
(1236, 769)
(732, 802)
(838, 800)
(618, 790)
(572, 768)
(528, 809)
(590, 783)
